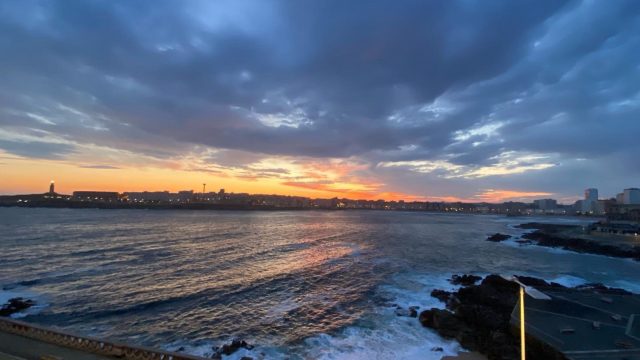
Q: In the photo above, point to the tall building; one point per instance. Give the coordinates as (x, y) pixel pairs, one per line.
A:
(631, 196)
(591, 194)
(52, 188)
(590, 201)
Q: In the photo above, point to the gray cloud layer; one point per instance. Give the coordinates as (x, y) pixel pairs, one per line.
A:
(455, 81)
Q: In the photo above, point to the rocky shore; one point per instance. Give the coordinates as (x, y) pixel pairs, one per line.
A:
(550, 235)
(478, 317)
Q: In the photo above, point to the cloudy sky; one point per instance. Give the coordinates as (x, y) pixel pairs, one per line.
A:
(441, 100)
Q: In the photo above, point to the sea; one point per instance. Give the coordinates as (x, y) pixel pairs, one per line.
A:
(295, 284)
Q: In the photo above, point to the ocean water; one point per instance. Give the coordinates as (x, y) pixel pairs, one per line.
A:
(296, 284)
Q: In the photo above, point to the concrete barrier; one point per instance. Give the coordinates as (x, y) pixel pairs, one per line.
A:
(86, 344)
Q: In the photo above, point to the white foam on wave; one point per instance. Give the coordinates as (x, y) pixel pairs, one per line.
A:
(402, 338)
(632, 286)
(206, 350)
(385, 335)
(568, 280)
(379, 335)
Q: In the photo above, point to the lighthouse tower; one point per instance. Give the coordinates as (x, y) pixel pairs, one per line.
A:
(52, 187)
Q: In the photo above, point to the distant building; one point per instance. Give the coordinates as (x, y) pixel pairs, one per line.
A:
(620, 198)
(631, 196)
(546, 204)
(52, 188)
(589, 204)
(185, 196)
(148, 196)
(603, 207)
(95, 196)
(591, 194)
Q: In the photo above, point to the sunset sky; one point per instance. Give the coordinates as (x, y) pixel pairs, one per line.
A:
(415, 100)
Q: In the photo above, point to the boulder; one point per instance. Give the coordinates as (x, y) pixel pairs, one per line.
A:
(228, 349)
(497, 237)
(464, 280)
(15, 305)
(441, 295)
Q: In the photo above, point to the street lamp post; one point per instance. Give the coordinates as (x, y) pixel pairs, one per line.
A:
(534, 293)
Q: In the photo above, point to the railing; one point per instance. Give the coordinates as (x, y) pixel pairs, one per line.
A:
(87, 344)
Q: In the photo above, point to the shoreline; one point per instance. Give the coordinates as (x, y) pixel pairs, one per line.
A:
(567, 237)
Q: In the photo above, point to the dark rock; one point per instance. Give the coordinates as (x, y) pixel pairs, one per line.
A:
(246, 358)
(441, 295)
(445, 322)
(497, 237)
(412, 311)
(437, 349)
(478, 317)
(15, 305)
(549, 228)
(465, 280)
(549, 239)
(228, 349)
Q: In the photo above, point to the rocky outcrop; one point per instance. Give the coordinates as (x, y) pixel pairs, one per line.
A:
(478, 316)
(228, 349)
(441, 295)
(548, 235)
(15, 305)
(465, 280)
(497, 237)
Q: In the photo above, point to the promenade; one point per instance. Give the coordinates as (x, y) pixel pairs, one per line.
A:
(20, 340)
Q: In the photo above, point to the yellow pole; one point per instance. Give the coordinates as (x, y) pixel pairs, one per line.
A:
(522, 339)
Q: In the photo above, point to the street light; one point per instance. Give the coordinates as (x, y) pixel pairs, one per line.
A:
(534, 293)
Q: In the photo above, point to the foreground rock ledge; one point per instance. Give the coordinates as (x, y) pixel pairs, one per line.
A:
(478, 316)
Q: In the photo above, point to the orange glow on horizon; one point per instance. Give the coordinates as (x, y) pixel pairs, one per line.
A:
(317, 180)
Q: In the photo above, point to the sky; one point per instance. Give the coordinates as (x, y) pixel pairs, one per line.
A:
(416, 100)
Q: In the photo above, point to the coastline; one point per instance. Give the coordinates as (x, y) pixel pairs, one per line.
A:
(572, 238)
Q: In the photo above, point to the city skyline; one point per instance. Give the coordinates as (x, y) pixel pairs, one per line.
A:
(628, 195)
(428, 101)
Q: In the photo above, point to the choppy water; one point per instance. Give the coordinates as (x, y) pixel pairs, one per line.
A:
(305, 284)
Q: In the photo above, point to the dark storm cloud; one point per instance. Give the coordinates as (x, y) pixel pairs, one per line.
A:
(381, 80)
